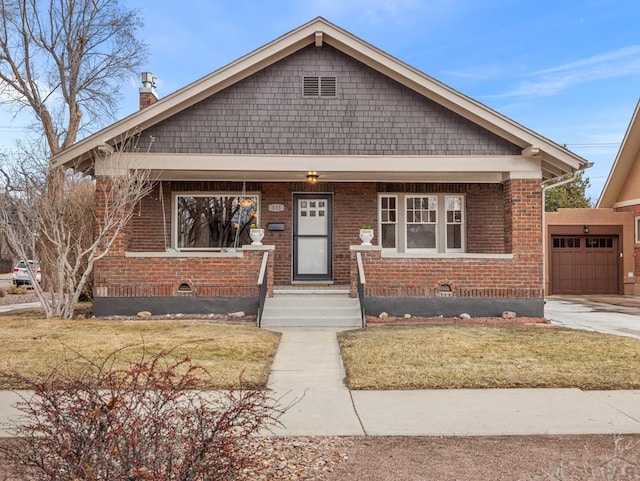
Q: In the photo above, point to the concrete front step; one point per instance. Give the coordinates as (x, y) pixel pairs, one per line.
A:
(310, 309)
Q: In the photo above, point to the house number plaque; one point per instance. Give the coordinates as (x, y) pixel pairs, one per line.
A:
(276, 207)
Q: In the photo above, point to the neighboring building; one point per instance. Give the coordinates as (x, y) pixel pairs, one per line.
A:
(312, 136)
(597, 251)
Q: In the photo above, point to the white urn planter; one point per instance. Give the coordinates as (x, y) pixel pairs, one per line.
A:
(256, 236)
(366, 236)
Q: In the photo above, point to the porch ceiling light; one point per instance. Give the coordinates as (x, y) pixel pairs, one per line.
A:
(312, 177)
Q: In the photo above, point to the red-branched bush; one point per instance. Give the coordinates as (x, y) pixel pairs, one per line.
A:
(145, 422)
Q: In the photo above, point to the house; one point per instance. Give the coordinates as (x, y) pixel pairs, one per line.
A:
(597, 251)
(312, 136)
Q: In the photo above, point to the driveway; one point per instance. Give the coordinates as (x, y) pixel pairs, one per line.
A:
(618, 315)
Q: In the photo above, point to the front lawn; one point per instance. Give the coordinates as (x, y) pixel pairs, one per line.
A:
(443, 356)
(31, 346)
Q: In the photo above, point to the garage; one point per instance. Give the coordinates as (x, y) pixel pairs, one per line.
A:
(584, 264)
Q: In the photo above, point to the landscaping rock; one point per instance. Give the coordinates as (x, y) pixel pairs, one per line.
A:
(464, 315)
(383, 315)
(144, 315)
(407, 316)
(508, 315)
(237, 314)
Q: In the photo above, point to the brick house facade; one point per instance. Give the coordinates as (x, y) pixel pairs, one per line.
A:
(451, 188)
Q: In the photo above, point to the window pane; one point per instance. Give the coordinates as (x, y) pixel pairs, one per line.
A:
(388, 236)
(454, 203)
(421, 236)
(215, 221)
(454, 236)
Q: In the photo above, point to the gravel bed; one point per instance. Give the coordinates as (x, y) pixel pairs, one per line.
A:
(9, 299)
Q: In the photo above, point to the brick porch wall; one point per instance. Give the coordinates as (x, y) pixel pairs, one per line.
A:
(516, 277)
(117, 275)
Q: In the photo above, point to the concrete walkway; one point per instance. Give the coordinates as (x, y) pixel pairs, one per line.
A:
(308, 363)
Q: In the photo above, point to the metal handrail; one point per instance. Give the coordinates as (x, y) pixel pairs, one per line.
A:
(361, 282)
(262, 284)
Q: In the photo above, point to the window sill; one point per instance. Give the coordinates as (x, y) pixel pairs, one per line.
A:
(445, 255)
(186, 254)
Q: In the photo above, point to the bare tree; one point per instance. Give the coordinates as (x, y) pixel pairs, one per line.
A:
(65, 60)
(58, 222)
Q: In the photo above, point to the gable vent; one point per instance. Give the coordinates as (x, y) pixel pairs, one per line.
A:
(319, 87)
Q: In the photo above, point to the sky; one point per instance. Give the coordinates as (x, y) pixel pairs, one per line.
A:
(568, 69)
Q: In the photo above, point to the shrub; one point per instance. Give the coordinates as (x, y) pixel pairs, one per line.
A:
(622, 464)
(145, 422)
(13, 289)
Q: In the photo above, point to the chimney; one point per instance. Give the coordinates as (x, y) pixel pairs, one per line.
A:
(148, 94)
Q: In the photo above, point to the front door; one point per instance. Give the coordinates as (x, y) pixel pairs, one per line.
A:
(312, 237)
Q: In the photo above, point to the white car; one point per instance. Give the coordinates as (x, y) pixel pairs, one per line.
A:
(20, 275)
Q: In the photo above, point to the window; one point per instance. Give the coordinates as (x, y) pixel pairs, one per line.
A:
(388, 221)
(566, 242)
(453, 210)
(637, 230)
(421, 222)
(214, 220)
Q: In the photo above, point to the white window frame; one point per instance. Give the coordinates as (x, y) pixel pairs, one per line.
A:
(425, 250)
(462, 224)
(174, 218)
(441, 223)
(395, 223)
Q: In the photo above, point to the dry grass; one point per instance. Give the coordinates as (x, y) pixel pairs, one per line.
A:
(31, 346)
(488, 356)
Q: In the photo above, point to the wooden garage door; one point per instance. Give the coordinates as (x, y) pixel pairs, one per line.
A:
(584, 265)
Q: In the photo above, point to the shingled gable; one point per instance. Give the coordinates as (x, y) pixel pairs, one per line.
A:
(623, 184)
(552, 159)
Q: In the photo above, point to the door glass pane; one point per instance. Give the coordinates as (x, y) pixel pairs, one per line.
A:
(312, 255)
(312, 219)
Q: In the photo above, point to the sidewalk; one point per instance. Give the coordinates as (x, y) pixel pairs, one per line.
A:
(309, 362)
(308, 371)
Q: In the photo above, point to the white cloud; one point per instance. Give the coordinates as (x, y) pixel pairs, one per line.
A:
(553, 80)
